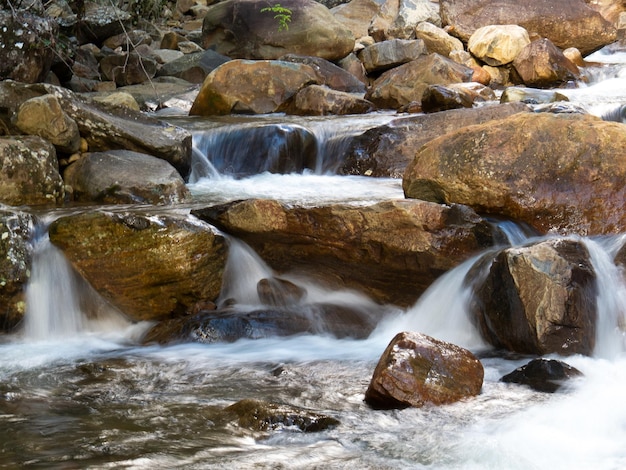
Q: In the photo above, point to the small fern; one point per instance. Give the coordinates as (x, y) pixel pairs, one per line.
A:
(282, 14)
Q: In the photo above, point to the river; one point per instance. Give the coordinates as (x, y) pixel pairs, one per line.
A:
(79, 393)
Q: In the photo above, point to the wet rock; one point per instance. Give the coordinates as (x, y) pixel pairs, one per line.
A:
(539, 299)
(541, 64)
(387, 150)
(391, 250)
(563, 173)
(27, 46)
(620, 257)
(543, 375)
(251, 87)
(29, 172)
(388, 54)
(193, 67)
(531, 95)
(148, 266)
(125, 177)
(279, 292)
(437, 39)
(239, 29)
(263, 416)
(401, 85)
(44, 116)
(17, 230)
(317, 100)
(498, 44)
(441, 98)
(416, 369)
(567, 23)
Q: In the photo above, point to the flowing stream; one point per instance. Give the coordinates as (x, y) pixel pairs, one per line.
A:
(78, 392)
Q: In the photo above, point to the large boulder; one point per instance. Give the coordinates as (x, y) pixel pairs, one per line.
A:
(567, 23)
(330, 74)
(416, 369)
(246, 86)
(357, 15)
(28, 44)
(387, 150)
(391, 251)
(410, 14)
(404, 84)
(107, 127)
(498, 44)
(539, 299)
(437, 39)
(148, 266)
(249, 29)
(125, 177)
(388, 54)
(562, 173)
(17, 230)
(29, 172)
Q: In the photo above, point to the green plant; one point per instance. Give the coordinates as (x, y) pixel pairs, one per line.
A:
(282, 14)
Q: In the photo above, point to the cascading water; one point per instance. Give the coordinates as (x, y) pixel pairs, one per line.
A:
(82, 399)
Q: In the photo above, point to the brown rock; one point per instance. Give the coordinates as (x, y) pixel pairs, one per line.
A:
(330, 74)
(539, 299)
(245, 86)
(406, 83)
(541, 64)
(437, 39)
(128, 69)
(562, 173)
(316, 100)
(149, 267)
(567, 23)
(391, 250)
(356, 15)
(387, 150)
(416, 369)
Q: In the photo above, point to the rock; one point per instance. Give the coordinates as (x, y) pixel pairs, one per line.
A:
(44, 116)
(86, 64)
(331, 75)
(109, 127)
(119, 98)
(387, 150)
(391, 250)
(401, 85)
(193, 67)
(17, 230)
(128, 40)
(245, 86)
(356, 15)
(458, 95)
(263, 416)
(149, 267)
(125, 177)
(437, 39)
(541, 64)
(531, 96)
(381, 23)
(498, 44)
(29, 172)
(620, 257)
(279, 292)
(543, 375)
(539, 299)
(388, 54)
(354, 66)
(561, 173)
(317, 100)
(27, 46)
(163, 92)
(416, 369)
(101, 21)
(128, 69)
(239, 29)
(410, 14)
(567, 23)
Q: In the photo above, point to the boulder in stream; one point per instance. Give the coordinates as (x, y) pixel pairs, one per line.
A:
(543, 375)
(148, 266)
(538, 299)
(541, 64)
(561, 173)
(416, 369)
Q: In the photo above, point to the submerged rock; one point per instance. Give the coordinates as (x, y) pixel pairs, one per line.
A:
(543, 375)
(263, 416)
(416, 369)
(539, 299)
(563, 173)
(149, 267)
(390, 250)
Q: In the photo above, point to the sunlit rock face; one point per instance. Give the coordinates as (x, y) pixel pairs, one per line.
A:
(149, 267)
(539, 299)
(567, 23)
(416, 369)
(559, 173)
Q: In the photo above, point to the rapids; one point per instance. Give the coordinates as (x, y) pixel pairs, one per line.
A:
(79, 392)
